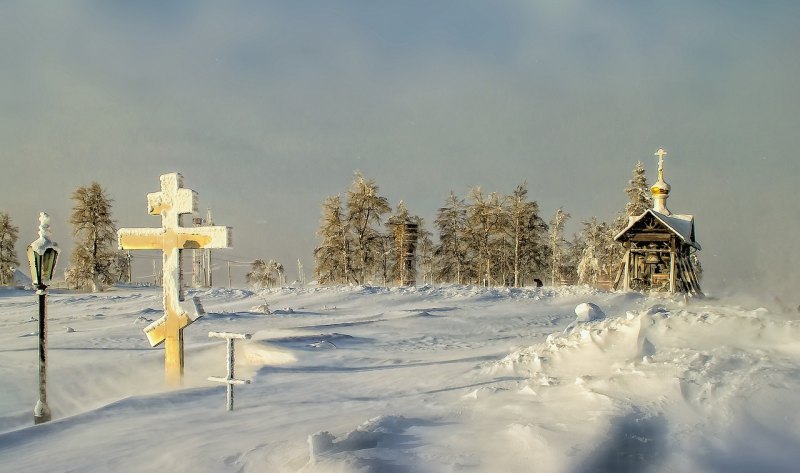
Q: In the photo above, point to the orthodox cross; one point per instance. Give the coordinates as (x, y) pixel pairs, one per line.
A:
(661, 153)
(171, 203)
(230, 379)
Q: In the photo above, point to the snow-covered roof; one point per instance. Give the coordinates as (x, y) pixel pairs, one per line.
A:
(21, 279)
(681, 225)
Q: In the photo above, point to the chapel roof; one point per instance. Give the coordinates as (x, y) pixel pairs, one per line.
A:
(680, 225)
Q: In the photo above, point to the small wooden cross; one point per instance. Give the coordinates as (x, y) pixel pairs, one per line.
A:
(230, 379)
(171, 202)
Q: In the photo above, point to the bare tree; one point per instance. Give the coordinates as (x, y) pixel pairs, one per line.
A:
(95, 236)
(8, 254)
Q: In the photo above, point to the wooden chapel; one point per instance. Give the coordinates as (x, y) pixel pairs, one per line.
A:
(658, 247)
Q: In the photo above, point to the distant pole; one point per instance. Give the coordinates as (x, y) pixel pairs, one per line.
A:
(208, 267)
(229, 274)
(210, 222)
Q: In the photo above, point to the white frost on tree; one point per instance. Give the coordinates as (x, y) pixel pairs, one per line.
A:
(557, 243)
(425, 253)
(402, 244)
(265, 274)
(639, 197)
(451, 252)
(352, 249)
(93, 257)
(365, 208)
(524, 230)
(485, 220)
(333, 256)
(8, 254)
(598, 256)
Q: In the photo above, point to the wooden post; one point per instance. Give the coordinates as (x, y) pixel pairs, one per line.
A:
(230, 379)
(626, 285)
(672, 265)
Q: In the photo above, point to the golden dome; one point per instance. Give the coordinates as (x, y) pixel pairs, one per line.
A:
(660, 188)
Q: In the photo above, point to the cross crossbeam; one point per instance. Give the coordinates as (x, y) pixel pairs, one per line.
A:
(172, 238)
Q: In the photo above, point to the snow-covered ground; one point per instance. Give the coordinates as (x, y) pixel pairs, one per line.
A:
(429, 379)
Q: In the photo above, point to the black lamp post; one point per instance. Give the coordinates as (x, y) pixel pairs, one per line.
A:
(42, 254)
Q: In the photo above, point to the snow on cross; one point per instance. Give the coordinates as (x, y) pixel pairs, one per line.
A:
(171, 202)
(230, 379)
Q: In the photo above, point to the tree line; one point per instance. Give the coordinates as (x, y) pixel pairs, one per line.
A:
(95, 259)
(358, 246)
(483, 238)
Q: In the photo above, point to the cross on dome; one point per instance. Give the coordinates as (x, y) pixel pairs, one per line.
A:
(661, 153)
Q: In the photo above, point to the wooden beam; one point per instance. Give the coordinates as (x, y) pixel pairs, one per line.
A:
(672, 266)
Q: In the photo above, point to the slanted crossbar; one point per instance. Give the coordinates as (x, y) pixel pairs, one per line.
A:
(230, 380)
(172, 238)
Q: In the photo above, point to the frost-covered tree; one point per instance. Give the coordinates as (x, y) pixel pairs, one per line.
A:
(698, 268)
(557, 245)
(597, 259)
(639, 200)
(451, 252)
(425, 253)
(333, 256)
(402, 243)
(589, 263)
(265, 274)
(95, 238)
(573, 252)
(638, 192)
(485, 221)
(120, 267)
(639, 197)
(365, 208)
(524, 230)
(8, 254)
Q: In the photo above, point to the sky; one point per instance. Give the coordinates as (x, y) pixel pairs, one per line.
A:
(267, 107)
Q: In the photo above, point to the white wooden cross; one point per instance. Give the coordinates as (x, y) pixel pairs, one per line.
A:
(171, 202)
(230, 379)
(661, 153)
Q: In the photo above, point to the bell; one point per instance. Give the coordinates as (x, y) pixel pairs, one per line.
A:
(652, 258)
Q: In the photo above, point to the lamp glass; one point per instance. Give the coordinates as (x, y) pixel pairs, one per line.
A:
(42, 266)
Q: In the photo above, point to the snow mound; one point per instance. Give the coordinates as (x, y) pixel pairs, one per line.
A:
(261, 309)
(588, 312)
(370, 434)
(266, 354)
(21, 279)
(705, 371)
